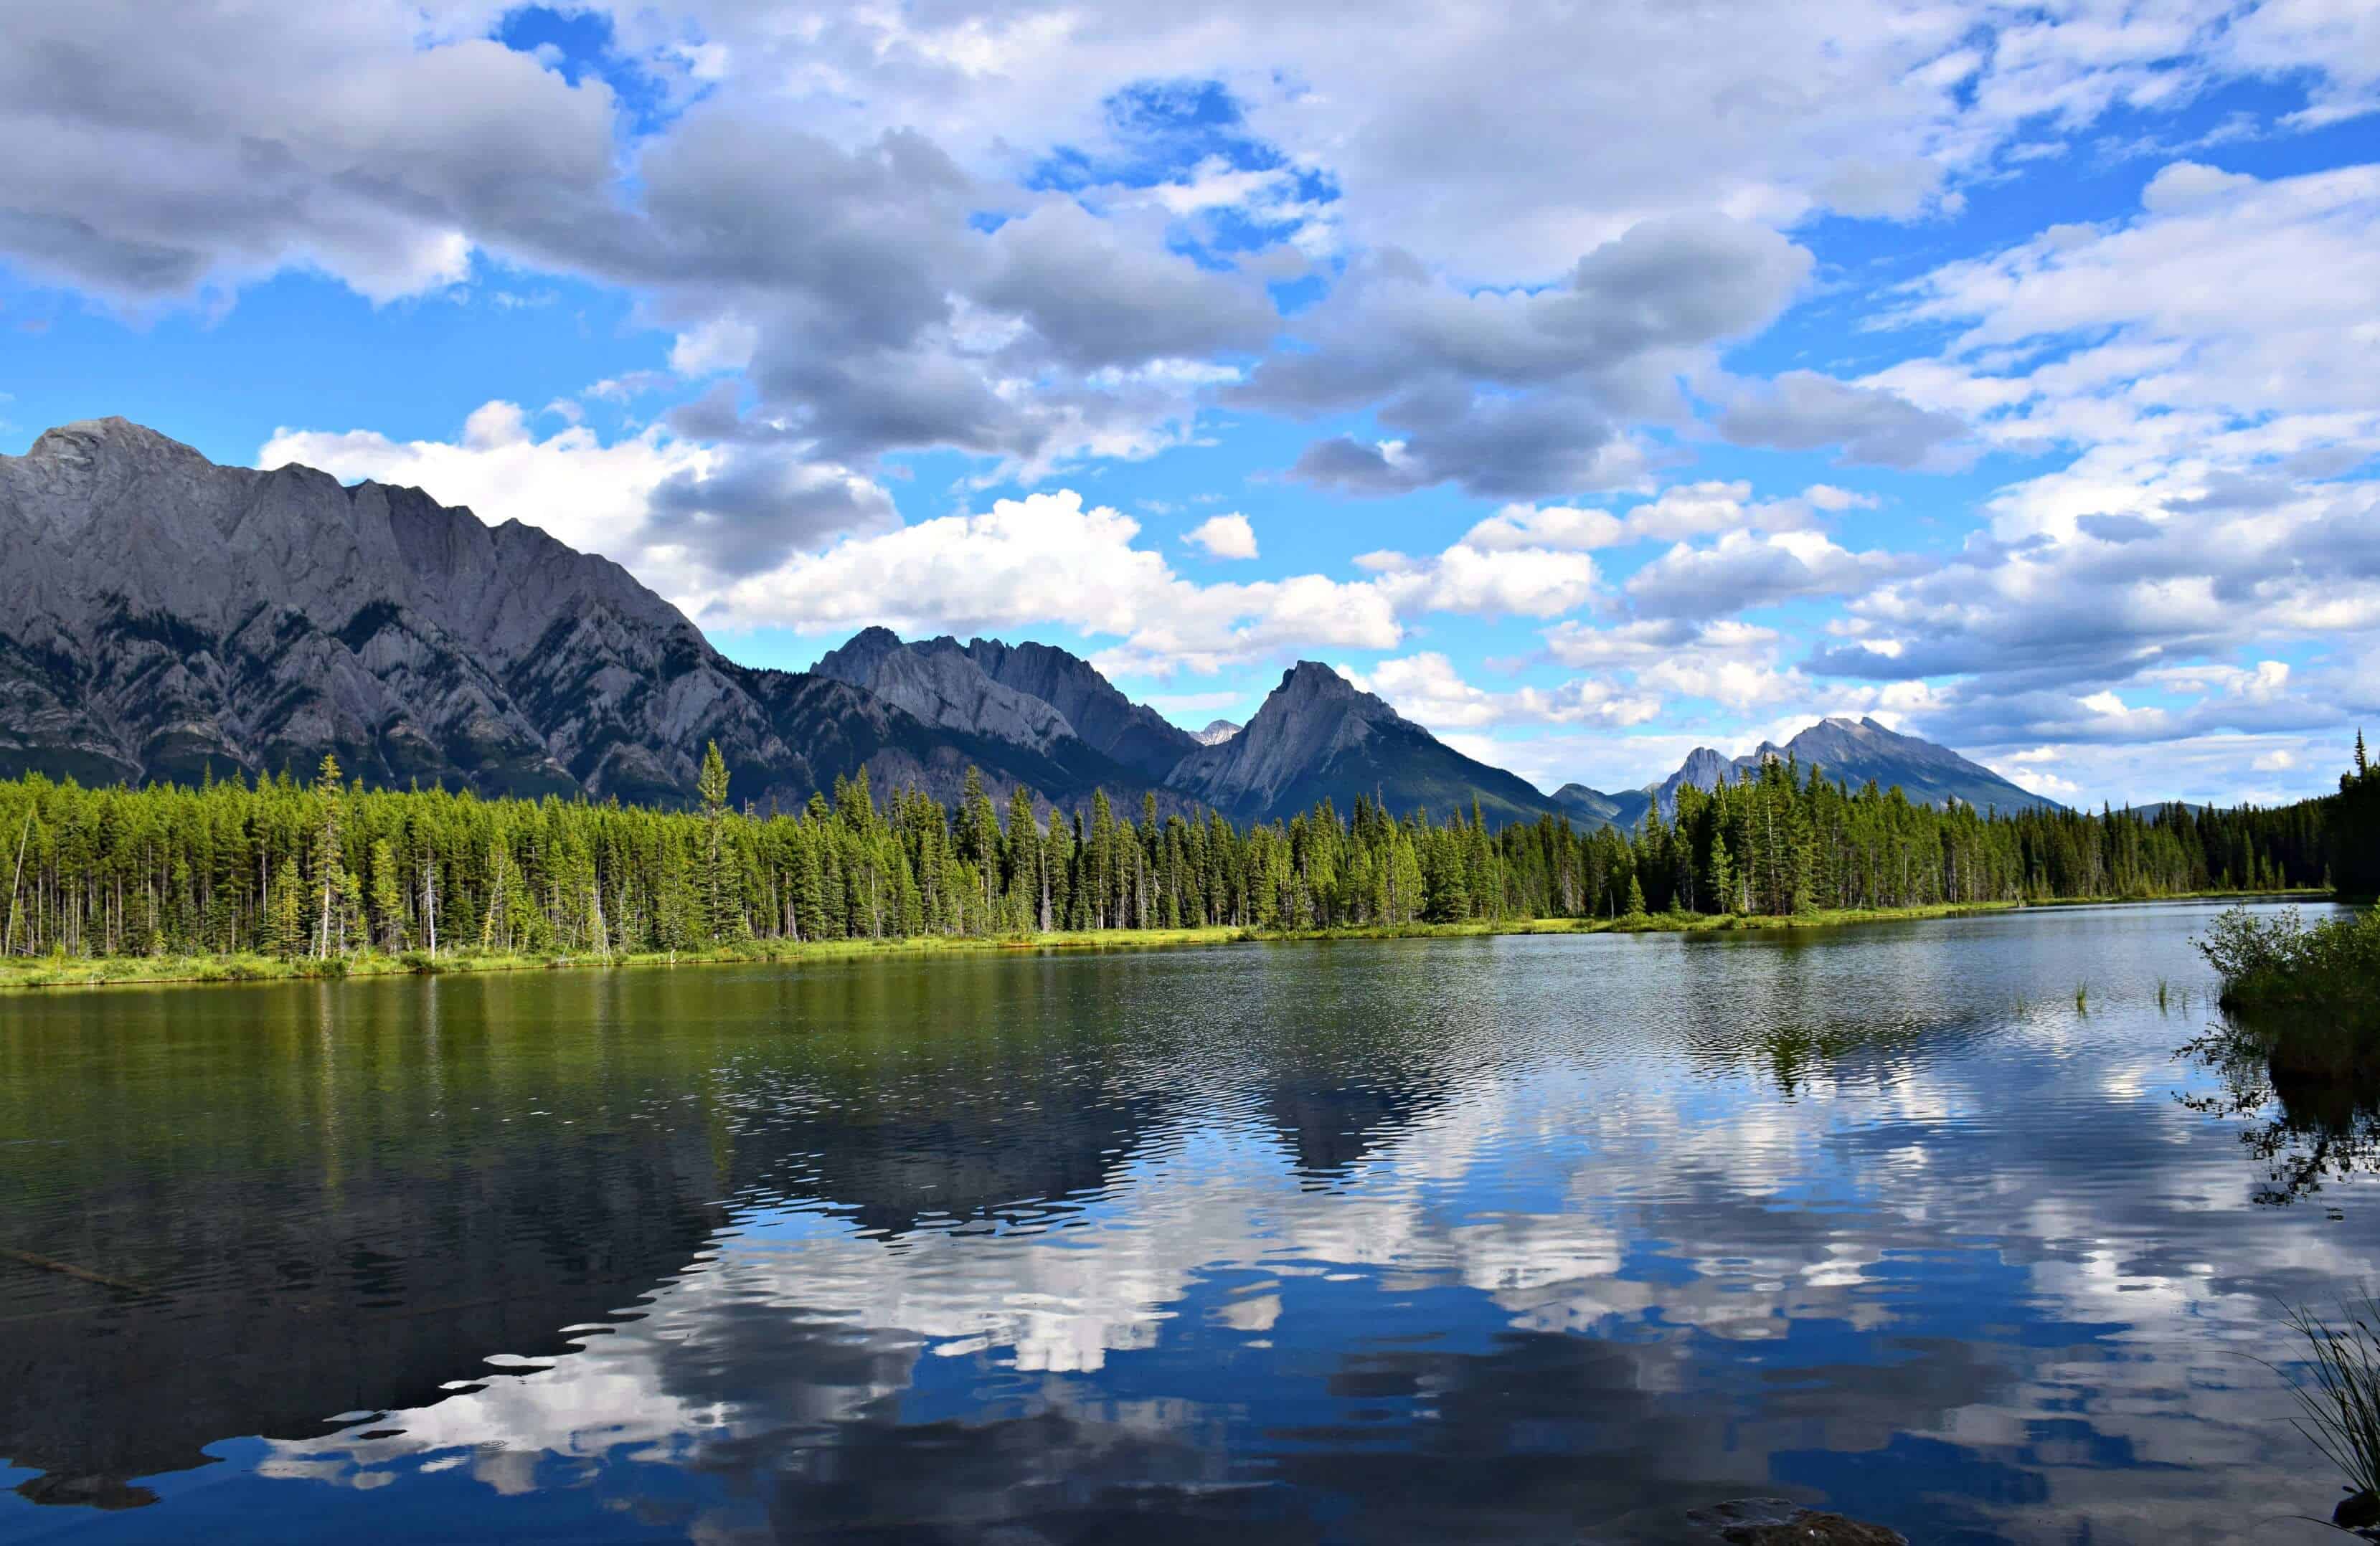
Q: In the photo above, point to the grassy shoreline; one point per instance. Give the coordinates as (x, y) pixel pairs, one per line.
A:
(51, 971)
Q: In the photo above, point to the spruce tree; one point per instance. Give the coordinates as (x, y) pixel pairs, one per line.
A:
(387, 897)
(285, 924)
(329, 862)
(711, 787)
(1023, 882)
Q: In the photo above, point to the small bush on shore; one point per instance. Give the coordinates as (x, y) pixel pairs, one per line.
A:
(2271, 960)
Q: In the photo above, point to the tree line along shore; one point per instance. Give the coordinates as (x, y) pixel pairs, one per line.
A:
(280, 876)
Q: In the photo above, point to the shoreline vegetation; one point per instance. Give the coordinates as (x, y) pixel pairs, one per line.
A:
(2302, 983)
(56, 971)
(241, 880)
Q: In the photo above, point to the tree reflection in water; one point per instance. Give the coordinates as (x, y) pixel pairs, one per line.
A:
(2308, 1091)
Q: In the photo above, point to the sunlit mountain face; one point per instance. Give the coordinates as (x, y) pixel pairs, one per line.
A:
(1589, 384)
(1930, 1223)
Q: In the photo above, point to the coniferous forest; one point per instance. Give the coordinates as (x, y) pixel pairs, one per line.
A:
(326, 869)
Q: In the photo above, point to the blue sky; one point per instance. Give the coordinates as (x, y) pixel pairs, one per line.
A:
(1591, 385)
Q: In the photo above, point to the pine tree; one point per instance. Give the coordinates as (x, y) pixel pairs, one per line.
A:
(1450, 894)
(286, 924)
(721, 917)
(1023, 881)
(429, 859)
(329, 862)
(387, 897)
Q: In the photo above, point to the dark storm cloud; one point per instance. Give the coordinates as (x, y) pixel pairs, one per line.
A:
(1675, 284)
(759, 506)
(66, 245)
(2117, 529)
(1512, 394)
(1802, 410)
(1096, 301)
(1351, 467)
(139, 171)
(1496, 447)
(2236, 492)
(861, 403)
(855, 249)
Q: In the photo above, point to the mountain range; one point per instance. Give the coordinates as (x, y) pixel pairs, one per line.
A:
(1854, 752)
(162, 615)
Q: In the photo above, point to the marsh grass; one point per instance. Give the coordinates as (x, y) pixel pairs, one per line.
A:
(2339, 1396)
(62, 971)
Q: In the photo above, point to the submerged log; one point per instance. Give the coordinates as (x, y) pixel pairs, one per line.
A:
(70, 1270)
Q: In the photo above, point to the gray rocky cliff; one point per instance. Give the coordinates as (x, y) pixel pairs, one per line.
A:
(1853, 752)
(1318, 737)
(1132, 733)
(942, 686)
(1704, 768)
(1315, 716)
(1033, 695)
(161, 615)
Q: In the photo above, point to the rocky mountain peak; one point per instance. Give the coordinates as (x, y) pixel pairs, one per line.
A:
(1313, 679)
(1319, 736)
(1853, 752)
(1704, 768)
(857, 657)
(1034, 694)
(76, 472)
(112, 436)
(1110, 724)
(936, 681)
(162, 616)
(1217, 732)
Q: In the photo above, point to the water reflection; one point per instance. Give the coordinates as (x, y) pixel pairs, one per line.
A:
(2306, 1096)
(1521, 1239)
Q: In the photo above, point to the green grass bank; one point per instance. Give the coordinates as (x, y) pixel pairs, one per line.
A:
(21, 973)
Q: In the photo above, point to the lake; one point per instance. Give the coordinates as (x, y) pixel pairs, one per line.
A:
(1520, 1240)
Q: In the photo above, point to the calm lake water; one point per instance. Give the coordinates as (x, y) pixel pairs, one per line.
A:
(1514, 1240)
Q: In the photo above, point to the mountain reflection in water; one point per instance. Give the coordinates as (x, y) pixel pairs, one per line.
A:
(1517, 1239)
